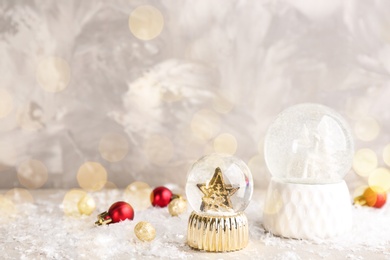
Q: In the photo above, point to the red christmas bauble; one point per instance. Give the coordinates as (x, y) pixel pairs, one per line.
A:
(160, 197)
(120, 211)
(380, 200)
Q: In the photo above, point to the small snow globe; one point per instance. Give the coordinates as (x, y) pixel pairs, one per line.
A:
(308, 150)
(219, 188)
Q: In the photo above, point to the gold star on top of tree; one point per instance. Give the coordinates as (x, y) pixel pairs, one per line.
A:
(217, 193)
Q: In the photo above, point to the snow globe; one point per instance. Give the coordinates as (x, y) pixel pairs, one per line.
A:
(308, 150)
(219, 188)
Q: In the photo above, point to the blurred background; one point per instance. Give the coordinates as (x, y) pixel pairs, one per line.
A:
(98, 94)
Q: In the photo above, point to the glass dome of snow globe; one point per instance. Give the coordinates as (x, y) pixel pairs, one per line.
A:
(309, 143)
(219, 184)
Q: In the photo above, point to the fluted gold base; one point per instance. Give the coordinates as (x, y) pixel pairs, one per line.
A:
(217, 233)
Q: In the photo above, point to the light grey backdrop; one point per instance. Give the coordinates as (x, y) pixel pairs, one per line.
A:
(237, 62)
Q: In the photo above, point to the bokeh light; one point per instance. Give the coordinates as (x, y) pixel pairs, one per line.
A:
(138, 195)
(113, 147)
(359, 191)
(92, 176)
(367, 129)
(32, 174)
(19, 196)
(7, 209)
(386, 154)
(159, 149)
(260, 147)
(205, 124)
(364, 161)
(6, 103)
(380, 177)
(146, 22)
(273, 208)
(71, 201)
(225, 143)
(53, 74)
(256, 163)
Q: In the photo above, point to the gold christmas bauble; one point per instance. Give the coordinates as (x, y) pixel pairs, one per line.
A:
(145, 231)
(86, 205)
(177, 206)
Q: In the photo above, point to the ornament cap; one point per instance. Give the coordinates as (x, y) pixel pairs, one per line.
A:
(103, 219)
(176, 196)
(361, 200)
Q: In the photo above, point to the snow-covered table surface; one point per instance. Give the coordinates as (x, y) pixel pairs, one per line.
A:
(41, 230)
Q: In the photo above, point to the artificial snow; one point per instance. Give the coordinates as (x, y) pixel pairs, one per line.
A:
(42, 231)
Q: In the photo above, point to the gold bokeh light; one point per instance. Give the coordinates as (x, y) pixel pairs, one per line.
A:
(367, 129)
(380, 177)
(32, 174)
(364, 161)
(386, 154)
(138, 195)
(92, 176)
(205, 124)
(159, 149)
(256, 163)
(146, 22)
(113, 147)
(274, 208)
(7, 209)
(53, 74)
(71, 201)
(19, 196)
(6, 103)
(225, 143)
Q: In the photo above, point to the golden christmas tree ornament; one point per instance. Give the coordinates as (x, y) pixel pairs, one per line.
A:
(145, 231)
(177, 206)
(219, 188)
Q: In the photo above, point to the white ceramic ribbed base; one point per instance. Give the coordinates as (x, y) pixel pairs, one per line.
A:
(307, 211)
